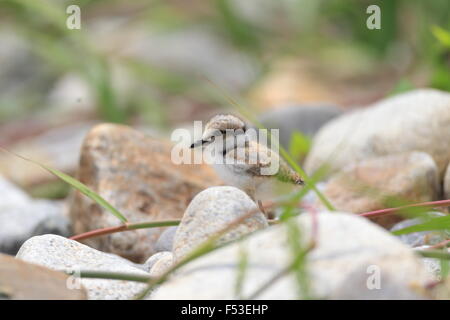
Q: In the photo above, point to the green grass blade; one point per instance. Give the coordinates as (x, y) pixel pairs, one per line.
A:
(77, 185)
(440, 223)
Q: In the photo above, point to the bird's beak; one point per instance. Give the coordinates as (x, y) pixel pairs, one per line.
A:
(202, 142)
(197, 144)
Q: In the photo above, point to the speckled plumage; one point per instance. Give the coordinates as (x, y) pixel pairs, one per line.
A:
(241, 162)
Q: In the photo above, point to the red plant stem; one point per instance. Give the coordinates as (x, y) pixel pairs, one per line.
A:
(439, 245)
(383, 212)
(99, 232)
(370, 214)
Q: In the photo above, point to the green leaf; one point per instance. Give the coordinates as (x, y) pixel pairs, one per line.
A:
(441, 35)
(299, 145)
(77, 185)
(241, 271)
(439, 223)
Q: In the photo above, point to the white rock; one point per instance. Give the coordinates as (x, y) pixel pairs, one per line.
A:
(62, 254)
(71, 94)
(348, 247)
(22, 217)
(10, 195)
(162, 265)
(209, 212)
(165, 240)
(414, 121)
(154, 258)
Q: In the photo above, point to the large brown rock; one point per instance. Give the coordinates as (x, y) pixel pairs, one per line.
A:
(20, 280)
(134, 172)
(369, 184)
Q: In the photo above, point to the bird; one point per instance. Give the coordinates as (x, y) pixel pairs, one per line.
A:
(240, 160)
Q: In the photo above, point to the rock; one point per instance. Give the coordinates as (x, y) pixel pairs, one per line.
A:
(193, 50)
(56, 224)
(25, 281)
(165, 241)
(307, 119)
(414, 121)
(211, 211)
(22, 217)
(424, 238)
(291, 81)
(57, 148)
(66, 255)
(154, 258)
(162, 265)
(24, 73)
(447, 183)
(135, 174)
(367, 185)
(11, 195)
(346, 246)
(71, 94)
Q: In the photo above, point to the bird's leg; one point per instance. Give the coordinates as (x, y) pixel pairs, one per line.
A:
(267, 214)
(261, 207)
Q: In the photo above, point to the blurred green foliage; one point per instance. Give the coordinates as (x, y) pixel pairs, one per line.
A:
(299, 145)
(281, 28)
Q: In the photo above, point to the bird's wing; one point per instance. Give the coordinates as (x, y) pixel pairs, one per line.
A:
(255, 157)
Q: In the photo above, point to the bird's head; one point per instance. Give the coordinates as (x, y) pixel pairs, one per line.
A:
(223, 126)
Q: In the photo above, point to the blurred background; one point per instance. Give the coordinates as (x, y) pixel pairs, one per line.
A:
(158, 65)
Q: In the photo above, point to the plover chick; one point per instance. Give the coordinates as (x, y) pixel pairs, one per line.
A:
(241, 161)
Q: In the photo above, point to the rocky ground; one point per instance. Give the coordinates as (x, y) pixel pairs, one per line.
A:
(396, 148)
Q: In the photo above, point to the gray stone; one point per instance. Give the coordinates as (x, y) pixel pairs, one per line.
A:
(71, 94)
(414, 121)
(346, 246)
(58, 224)
(307, 119)
(424, 238)
(165, 241)
(211, 211)
(153, 259)
(22, 217)
(162, 265)
(66, 255)
(194, 50)
(11, 195)
(23, 73)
